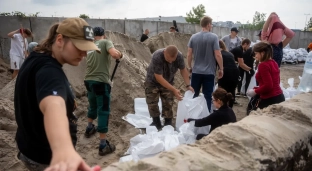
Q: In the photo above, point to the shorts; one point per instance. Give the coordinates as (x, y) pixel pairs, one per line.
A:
(152, 93)
(16, 62)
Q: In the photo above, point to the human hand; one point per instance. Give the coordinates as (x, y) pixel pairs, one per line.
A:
(190, 88)
(68, 160)
(251, 93)
(251, 72)
(220, 75)
(190, 70)
(178, 94)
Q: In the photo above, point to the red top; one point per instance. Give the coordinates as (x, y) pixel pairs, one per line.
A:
(268, 77)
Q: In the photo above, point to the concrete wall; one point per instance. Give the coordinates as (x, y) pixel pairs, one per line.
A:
(133, 28)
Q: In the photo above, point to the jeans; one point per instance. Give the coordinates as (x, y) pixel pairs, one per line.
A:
(206, 82)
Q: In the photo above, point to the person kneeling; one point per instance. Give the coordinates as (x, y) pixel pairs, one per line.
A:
(222, 116)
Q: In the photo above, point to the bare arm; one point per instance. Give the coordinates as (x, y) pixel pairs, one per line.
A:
(242, 64)
(160, 79)
(189, 57)
(185, 75)
(12, 33)
(115, 53)
(56, 124)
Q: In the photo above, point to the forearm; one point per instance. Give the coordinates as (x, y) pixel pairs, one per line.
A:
(164, 83)
(57, 127)
(12, 33)
(244, 66)
(185, 76)
(189, 61)
(286, 41)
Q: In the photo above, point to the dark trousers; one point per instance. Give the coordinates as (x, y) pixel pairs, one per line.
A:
(273, 100)
(248, 78)
(278, 53)
(207, 84)
(229, 86)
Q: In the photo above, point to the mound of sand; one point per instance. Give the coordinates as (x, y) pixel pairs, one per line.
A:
(277, 138)
(128, 84)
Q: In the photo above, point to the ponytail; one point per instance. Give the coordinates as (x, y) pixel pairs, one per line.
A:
(222, 95)
(46, 45)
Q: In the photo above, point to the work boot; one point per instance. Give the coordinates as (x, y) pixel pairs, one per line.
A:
(168, 121)
(90, 131)
(109, 148)
(156, 122)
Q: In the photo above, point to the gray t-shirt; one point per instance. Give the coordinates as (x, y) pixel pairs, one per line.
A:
(204, 44)
(160, 66)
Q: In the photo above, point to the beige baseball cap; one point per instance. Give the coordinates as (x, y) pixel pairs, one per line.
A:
(79, 32)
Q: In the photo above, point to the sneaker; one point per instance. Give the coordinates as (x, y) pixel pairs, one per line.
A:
(90, 131)
(109, 148)
(237, 95)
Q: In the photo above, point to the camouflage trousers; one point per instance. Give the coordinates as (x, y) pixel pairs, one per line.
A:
(152, 94)
(30, 164)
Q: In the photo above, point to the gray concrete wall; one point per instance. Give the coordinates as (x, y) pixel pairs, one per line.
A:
(133, 28)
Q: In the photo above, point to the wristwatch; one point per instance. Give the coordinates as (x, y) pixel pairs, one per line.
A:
(187, 86)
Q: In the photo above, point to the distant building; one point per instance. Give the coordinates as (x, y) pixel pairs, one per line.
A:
(179, 19)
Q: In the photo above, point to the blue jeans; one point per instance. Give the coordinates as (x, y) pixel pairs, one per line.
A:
(205, 81)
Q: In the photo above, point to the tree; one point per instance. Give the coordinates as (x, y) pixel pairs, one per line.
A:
(308, 27)
(15, 13)
(257, 21)
(34, 15)
(84, 16)
(196, 14)
(238, 22)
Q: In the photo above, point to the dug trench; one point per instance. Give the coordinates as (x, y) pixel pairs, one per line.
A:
(128, 84)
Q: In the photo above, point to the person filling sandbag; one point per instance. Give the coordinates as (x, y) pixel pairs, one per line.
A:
(222, 116)
(268, 77)
(159, 82)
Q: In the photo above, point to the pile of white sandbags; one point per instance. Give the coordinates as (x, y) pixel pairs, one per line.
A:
(294, 55)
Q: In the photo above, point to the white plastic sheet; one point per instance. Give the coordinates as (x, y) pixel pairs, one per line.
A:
(195, 108)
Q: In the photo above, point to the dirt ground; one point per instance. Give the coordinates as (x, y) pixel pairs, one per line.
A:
(128, 84)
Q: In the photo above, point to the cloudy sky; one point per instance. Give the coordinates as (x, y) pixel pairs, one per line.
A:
(291, 12)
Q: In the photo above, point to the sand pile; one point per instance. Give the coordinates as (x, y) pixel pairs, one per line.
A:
(277, 138)
(128, 84)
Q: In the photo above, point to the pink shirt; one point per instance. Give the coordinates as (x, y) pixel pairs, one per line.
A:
(278, 30)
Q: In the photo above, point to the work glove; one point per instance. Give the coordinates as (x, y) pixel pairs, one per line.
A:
(251, 72)
(251, 93)
(190, 119)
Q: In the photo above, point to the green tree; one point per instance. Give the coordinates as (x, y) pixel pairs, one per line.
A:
(308, 27)
(34, 15)
(196, 14)
(84, 16)
(13, 13)
(238, 22)
(257, 22)
(5, 14)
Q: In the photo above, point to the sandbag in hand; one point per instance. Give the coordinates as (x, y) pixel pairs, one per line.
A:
(251, 93)
(251, 72)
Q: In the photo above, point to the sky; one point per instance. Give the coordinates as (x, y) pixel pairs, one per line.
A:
(291, 12)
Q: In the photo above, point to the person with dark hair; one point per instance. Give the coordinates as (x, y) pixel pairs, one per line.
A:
(44, 102)
(144, 35)
(232, 40)
(273, 31)
(268, 77)
(18, 51)
(224, 114)
(259, 35)
(98, 85)
(204, 46)
(230, 73)
(159, 83)
(243, 55)
(172, 29)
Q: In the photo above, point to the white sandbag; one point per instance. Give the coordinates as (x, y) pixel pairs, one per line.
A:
(141, 108)
(195, 108)
(137, 120)
(252, 83)
(291, 90)
(242, 90)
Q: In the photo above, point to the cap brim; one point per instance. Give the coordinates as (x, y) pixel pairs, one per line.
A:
(85, 45)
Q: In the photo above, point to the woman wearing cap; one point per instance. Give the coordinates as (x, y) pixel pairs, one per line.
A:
(268, 77)
(44, 103)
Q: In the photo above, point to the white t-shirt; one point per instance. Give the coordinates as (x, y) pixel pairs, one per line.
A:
(17, 45)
